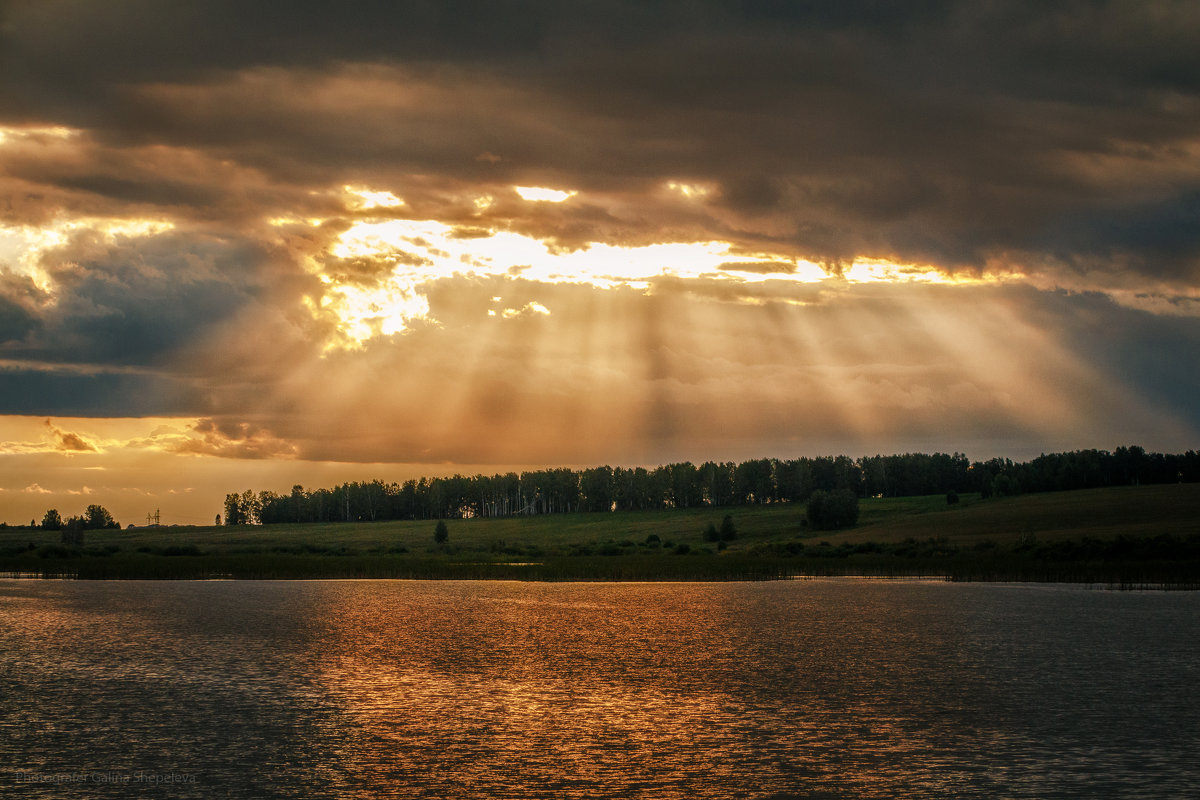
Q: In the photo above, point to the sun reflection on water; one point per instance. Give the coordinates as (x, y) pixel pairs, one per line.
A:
(538, 688)
(507, 690)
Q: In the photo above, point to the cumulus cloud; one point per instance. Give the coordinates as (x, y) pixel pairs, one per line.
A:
(68, 442)
(53, 440)
(230, 439)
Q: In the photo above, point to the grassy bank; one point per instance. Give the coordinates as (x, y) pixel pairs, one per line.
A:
(1124, 536)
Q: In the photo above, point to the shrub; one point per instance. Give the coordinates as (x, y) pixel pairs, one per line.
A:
(832, 510)
(441, 533)
(1004, 486)
(72, 532)
(728, 530)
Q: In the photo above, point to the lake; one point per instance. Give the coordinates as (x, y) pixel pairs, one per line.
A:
(808, 689)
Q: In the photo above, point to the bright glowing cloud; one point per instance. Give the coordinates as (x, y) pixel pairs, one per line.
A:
(692, 191)
(365, 199)
(419, 252)
(540, 194)
(875, 271)
(533, 307)
(12, 135)
(426, 250)
(381, 311)
(24, 247)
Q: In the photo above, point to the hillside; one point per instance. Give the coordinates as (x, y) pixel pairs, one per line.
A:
(1101, 513)
(1127, 534)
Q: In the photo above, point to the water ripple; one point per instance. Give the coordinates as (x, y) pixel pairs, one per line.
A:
(507, 690)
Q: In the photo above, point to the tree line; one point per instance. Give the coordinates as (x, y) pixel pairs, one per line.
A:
(711, 484)
(95, 517)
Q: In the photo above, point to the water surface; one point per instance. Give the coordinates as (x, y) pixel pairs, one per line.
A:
(824, 688)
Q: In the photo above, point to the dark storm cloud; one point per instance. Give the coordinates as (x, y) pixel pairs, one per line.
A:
(46, 174)
(89, 394)
(120, 332)
(134, 302)
(951, 133)
(1143, 349)
(1161, 236)
(16, 322)
(154, 192)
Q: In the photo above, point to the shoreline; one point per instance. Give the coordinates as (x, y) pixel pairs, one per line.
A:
(1176, 577)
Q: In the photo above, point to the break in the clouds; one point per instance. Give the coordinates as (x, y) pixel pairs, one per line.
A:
(527, 233)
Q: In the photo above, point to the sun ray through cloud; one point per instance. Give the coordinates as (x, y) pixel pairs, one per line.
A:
(765, 232)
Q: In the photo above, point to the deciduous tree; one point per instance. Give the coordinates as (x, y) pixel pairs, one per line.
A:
(52, 521)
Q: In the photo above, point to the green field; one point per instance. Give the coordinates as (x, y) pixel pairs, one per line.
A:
(1124, 536)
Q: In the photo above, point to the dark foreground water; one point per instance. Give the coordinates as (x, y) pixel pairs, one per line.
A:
(829, 688)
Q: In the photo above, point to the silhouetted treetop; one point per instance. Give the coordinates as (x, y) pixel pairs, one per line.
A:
(711, 484)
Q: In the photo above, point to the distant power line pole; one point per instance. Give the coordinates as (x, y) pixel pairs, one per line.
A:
(152, 519)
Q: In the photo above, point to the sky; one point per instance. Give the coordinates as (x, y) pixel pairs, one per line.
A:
(250, 245)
